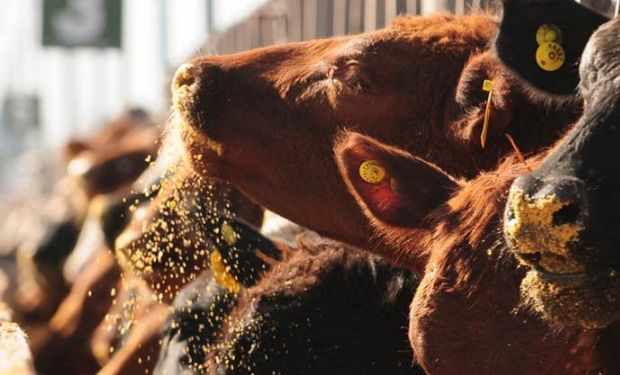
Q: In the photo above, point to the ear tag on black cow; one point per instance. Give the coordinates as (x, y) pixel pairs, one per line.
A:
(372, 171)
(550, 54)
(548, 33)
(487, 85)
(228, 234)
(221, 274)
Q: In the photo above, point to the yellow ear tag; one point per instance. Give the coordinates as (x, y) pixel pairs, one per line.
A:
(548, 33)
(550, 56)
(487, 85)
(372, 171)
(221, 275)
(228, 234)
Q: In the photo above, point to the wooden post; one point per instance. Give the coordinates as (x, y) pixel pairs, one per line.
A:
(370, 15)
(356, 16)
(309, 23)
(413, 7)
(390, 11)
(340, 17)
(459, 7)
(325, 16)
(295, 21)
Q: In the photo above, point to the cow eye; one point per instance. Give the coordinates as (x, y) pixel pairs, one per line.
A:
(356, 78)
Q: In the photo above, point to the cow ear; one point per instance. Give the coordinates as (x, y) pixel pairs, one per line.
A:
(389, 184)
(73, 148)
(542, 41)
(481, 75)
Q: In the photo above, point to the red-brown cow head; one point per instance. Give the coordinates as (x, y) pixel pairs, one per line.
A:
(266, 119)
(467, 315)
(115, 157)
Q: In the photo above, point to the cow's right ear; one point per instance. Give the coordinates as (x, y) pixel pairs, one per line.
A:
(542, 41)
(390, 185)
(73, 148)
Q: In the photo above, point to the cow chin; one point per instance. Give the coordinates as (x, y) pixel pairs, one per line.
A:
(585, 300)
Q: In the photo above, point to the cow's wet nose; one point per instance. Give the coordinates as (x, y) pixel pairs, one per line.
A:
(184, 78)
(544, 219)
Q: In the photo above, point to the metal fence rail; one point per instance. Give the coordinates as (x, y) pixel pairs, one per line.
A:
(295, 20)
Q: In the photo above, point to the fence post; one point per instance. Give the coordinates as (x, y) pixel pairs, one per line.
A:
(295, 20)
(309, 22)
(356, 16)
(370, 15)
(340, 17)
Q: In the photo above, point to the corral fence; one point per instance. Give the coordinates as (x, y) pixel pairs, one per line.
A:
(280, 21)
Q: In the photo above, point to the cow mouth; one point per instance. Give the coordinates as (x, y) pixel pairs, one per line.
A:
(551, 266)
(583, 299)
(571, 278)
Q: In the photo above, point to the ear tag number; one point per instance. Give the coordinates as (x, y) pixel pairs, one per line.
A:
(372, 171)
(550, 56)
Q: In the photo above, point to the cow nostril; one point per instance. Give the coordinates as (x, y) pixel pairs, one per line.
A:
(184, 77)
(566, 215)
(531, 258)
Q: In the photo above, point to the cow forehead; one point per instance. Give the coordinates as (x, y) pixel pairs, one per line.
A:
(601, 56)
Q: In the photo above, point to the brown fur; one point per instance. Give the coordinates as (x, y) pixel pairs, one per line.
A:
(328, 309)
(266, 119)
(467, 315)
(77, 318)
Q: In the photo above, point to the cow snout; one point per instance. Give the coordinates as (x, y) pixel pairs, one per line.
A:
(198, 91)
(184, 78)
(544, 221)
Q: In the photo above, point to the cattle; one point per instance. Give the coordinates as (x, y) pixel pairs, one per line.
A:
(467, 315)
(77, 317)
(561, 218)
(324, 308)
(108, 162)
(265, 119)
(170, 240)
(127, 340)
(76, 257)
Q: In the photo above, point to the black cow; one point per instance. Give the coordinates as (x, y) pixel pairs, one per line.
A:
(561, 219)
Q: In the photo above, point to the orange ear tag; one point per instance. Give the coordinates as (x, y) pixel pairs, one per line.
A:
(550, 56)
(487, 85)
(372, 171)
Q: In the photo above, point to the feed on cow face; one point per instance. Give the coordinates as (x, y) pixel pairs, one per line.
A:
(265, 119)
(572, 255)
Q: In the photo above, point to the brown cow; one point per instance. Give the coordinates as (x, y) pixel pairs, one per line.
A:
(265, 119)
(168, 240)
(106, 163)
(467, 315)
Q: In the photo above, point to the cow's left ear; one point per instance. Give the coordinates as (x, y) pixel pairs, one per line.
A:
(390, 185)
(542, 41)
